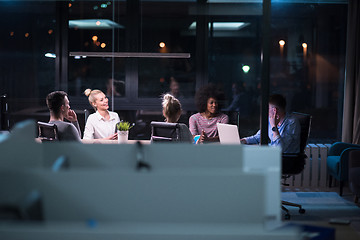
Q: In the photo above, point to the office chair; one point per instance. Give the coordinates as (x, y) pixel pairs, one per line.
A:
(47, 132)
(293, 164)
(165, 132)
(354, 173)
(87, 113)
(338, 162)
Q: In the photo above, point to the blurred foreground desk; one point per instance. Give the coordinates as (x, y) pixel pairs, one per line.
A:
(166, 202)
(103, 141)
(142, 191)
(144, 231)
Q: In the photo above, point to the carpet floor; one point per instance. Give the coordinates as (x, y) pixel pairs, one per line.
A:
(321, 206)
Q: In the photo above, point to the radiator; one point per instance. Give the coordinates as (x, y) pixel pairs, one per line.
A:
(314, 174)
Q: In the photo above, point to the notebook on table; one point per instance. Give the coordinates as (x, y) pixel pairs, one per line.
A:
(228, 133)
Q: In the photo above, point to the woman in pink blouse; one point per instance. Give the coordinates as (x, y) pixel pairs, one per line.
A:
(208, 100)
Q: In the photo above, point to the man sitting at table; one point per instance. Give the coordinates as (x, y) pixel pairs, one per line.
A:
(58, 104)
(283, 130)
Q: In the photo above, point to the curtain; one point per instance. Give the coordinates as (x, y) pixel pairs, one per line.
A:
(351, 118)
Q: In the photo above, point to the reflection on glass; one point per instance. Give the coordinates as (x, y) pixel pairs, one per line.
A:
(96, 73)
(27, 59)
(309, 68)
(159, 76)
(94, 28)
(235, 67)
(165, 29)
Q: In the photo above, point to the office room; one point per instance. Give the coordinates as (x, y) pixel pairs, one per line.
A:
(138, 56)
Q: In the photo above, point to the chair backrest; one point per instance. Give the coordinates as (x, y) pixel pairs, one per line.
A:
(4, 119)
(293, 164)
(305, 125)
(165, 132)
(47, 131)
(87, 113)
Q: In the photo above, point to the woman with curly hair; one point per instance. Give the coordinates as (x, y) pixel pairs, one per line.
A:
(208, 100)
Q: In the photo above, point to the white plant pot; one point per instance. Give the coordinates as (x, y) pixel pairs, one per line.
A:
(123, 136)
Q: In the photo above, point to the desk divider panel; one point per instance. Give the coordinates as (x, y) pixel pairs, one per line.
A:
(206, 196)
(182, 182)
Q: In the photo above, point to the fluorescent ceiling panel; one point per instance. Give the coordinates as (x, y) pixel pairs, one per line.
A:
(282, 1)
(94, 24)
(130, 54)
(223, 26)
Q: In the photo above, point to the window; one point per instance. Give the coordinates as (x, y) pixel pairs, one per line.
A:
(224, 40)
(97, 26)
(165, 29)
(27, 63)
(308, 67)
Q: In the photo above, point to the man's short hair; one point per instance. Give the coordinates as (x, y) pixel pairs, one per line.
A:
(55, 100)
(278, 100)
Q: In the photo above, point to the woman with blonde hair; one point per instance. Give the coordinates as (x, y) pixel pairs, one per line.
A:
(101, 124)
(172, 112)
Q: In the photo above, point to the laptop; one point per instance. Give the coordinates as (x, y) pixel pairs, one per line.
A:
(228, 133)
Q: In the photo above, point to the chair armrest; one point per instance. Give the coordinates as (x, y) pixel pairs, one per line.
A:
(344, 160)
(337, 148)
(160, 139)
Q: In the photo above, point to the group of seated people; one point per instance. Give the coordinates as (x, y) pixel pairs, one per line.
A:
(284, 130)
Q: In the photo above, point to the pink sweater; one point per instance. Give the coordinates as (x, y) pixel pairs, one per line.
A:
(197, 123)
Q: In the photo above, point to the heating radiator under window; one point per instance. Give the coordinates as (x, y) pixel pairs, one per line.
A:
(314, 174)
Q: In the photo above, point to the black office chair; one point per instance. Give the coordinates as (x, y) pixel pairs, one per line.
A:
(293, 164)
(47, 132)
(87, 113)
(165, 132)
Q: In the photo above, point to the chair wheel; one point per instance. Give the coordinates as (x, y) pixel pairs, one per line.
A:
(301, 210)
(287, 216)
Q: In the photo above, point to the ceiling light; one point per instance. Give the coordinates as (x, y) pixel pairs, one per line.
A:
(131, 54)
(50, 55)
(223, 26)
(94, 24)
(246, 68)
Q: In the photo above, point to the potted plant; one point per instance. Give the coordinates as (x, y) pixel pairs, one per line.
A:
(123, 131)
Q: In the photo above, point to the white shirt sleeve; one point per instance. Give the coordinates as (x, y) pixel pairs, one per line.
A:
(89, 128)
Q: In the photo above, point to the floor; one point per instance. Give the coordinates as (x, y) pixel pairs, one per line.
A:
(321, 217)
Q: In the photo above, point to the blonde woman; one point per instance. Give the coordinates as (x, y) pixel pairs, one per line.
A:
(101, 124)
(172, 112)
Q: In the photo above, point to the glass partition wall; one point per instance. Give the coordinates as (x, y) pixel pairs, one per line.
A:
(191, 43)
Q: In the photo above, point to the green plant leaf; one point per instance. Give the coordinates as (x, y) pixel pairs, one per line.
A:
(124, 126)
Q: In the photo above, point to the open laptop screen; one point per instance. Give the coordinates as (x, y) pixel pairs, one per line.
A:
(228, 133)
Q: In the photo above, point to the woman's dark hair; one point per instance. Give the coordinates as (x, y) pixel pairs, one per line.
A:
(278, 100)
(206, 92)
(55, 100)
